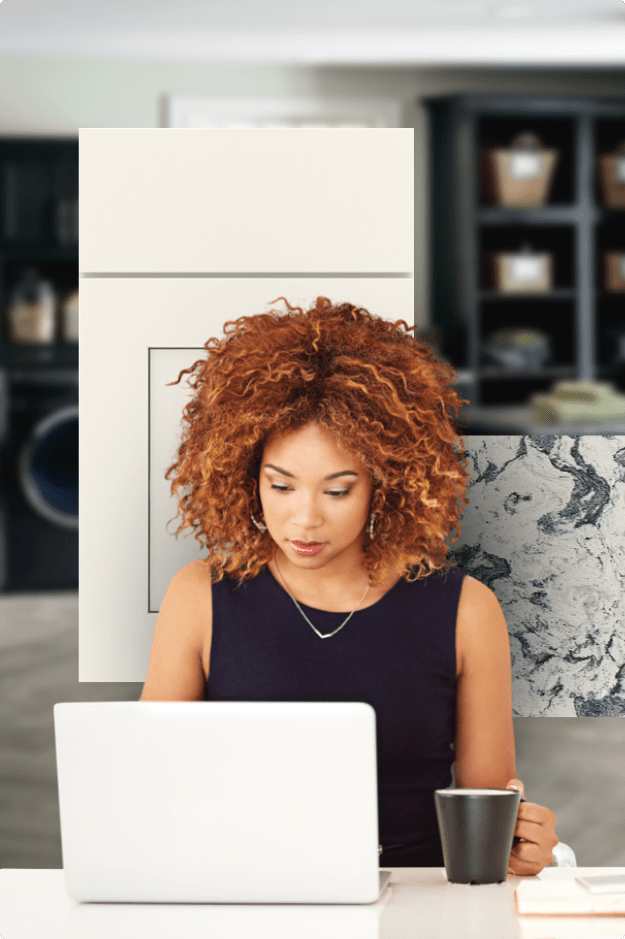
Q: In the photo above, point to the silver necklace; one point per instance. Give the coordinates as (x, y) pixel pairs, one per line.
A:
(314, 628)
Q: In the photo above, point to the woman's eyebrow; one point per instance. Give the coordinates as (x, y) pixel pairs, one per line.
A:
(331, 476)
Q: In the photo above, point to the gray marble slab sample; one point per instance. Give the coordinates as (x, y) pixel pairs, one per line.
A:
(545, 529)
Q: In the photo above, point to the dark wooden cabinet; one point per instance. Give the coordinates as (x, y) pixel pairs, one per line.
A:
(584, 321)
(38, 229)
(38, 380)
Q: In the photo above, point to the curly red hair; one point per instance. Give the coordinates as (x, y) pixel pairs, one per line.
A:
(383, 396)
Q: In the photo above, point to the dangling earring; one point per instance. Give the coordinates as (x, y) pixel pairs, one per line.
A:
(258, 524)
(371, 525)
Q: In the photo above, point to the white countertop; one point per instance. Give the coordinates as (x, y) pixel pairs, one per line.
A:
(419, 903)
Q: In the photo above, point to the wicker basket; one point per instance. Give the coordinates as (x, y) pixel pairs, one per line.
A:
(612, 177)
(520, 175)
(521, 272)
(614, 271)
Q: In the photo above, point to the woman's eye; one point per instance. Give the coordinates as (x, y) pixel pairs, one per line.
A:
(337, 493)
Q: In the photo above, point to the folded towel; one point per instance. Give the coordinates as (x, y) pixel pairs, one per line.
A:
(573, 402)
(585, 390)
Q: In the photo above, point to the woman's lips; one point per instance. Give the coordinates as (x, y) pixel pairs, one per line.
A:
(305, 549)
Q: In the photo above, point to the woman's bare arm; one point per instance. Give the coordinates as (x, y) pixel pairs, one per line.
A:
(181, 638)
(484, 729)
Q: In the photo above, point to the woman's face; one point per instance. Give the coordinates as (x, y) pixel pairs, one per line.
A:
(311, 491)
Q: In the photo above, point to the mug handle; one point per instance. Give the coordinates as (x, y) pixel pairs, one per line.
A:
(516, 839)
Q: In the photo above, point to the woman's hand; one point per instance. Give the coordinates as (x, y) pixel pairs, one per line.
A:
(535, 828)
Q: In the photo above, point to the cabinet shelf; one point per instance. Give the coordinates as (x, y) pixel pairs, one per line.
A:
(498, 296)
(491, 372)
(25, 355)
(544, 215)
(38, 253)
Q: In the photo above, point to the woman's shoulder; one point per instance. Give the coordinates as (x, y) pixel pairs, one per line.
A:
(197, 573)
(480, 622)
(476, 597)
(190, 591)
(200, 575)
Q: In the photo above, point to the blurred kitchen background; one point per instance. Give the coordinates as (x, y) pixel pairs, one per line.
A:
(519, 117)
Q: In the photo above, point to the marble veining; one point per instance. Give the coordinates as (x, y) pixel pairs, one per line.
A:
(545, 529)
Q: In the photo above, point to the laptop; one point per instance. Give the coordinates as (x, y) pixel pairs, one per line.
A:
(218, 802)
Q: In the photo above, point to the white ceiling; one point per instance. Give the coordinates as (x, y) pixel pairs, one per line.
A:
(367, 32)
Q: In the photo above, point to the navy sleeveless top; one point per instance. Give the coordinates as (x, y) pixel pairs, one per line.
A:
(398, 655)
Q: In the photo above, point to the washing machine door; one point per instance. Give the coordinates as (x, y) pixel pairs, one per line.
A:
(48, 467)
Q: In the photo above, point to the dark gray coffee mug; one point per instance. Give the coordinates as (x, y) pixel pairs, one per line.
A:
(477, 828)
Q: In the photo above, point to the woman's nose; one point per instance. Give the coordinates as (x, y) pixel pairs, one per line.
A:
(307, 512)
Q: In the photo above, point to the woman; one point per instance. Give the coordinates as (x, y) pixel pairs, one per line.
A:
(321, 466)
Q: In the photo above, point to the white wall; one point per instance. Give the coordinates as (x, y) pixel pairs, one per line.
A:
(49, 96)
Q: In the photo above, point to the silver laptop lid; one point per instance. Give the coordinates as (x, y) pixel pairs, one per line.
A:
(218, 801)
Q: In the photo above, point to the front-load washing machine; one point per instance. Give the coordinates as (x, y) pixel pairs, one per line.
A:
(39, 480)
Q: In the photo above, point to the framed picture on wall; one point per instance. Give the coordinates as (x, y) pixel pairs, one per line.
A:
(281, 112)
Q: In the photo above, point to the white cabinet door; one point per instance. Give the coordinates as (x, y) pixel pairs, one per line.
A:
(180, 231)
